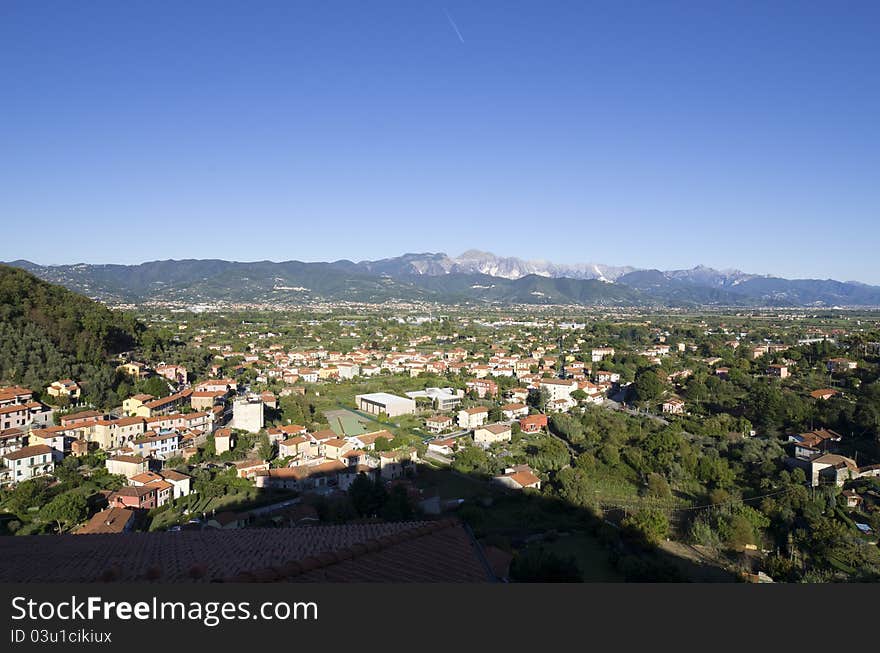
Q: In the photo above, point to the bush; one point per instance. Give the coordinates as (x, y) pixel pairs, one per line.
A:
(538, 565)
(649, 525)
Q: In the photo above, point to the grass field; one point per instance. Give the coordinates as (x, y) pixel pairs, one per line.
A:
(344, 422)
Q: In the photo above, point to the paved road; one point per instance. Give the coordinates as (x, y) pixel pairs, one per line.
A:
(438, 457)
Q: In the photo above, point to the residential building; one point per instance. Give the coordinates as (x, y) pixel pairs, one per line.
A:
(487, 435)
(367, 441)
(840, 365)
(224, 440)
(113, 521)
(26, 463)
(397, 464)
(824, 394)
(64, 389)
(126, 465)
(514, 411)
(142, 497)
(12, 440)
(471, 418)
(247, 414)
(778, 370)
(533, 423)
(163, 445)
(519, 477)
(443, 446)
(174, 373)
(558, 388)
(438, 423)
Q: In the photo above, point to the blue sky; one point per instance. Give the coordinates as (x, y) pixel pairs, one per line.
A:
(655, 134)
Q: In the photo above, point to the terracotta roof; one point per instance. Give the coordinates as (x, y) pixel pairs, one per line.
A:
(438, 551)
(86, 414)
(290, 442)
(476, 410)
(27, 452)
(497, 429)
(112, 520)
(173, 475)
(370, 438)
(14, 432)
(523, 478)
(146, 477)
(122, 458)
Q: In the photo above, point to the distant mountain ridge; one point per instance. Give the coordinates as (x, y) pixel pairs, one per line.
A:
(475, 261)
(475, 276)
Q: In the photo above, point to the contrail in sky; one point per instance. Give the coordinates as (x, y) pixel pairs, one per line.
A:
(454, 26)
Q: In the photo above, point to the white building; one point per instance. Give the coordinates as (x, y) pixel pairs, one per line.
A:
(559, 388)
(164, 444)
(247, 414)
(445, 399)
(519, 478)
(601, 352)
(471, 418)
(26, 463)
(384, 402)
(492, 433)
(347, 370)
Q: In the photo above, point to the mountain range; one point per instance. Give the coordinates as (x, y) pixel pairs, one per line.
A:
(473, 277)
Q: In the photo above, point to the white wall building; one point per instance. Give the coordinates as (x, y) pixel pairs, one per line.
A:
(384, 402)
(247, 414)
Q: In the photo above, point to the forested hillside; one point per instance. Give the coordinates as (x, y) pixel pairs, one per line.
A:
(48, 333)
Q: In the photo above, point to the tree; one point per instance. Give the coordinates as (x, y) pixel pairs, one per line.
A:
(648, 386)
(68, 471)
(658, 487)
(549, 455)
(26, 495)
(367, 496)
(424, 403)
(65, 510)
(649, 524)
(266, 449)
(397, 506)
(538, 399)
(471, 459)
(155, 385)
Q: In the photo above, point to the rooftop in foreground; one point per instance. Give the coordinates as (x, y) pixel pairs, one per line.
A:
(426, 551)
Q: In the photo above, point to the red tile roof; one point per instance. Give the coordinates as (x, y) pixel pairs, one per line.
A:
(440, 551)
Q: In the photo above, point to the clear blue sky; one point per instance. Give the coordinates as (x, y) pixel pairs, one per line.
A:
(655, 134)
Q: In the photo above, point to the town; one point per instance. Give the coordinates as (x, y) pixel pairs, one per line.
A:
(573, 444)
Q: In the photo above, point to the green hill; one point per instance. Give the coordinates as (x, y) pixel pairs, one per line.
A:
(48, 333)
